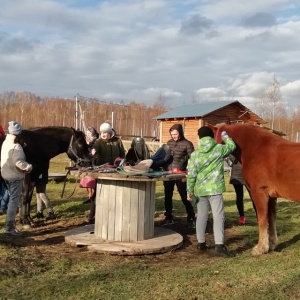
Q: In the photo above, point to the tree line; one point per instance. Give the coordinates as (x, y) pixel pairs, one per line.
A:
(133, 119)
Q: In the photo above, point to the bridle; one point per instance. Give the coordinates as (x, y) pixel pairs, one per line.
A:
(71, 150)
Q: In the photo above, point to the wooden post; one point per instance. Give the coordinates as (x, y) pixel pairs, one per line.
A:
(125, 210)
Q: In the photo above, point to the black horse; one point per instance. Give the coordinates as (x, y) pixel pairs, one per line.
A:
(40, 145)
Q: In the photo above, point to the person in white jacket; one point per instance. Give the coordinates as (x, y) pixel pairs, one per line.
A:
(13, 169)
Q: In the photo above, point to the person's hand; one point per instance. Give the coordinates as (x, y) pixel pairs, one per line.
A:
(189, 197)
(224, 135)
(184, 179)
(28, 169)
(93, 152)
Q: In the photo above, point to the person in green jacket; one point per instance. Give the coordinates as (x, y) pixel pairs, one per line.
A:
(106, 150)
(205, 181)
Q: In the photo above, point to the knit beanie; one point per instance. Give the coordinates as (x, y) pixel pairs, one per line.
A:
(106, 127)
(14, 128)
(205, 131)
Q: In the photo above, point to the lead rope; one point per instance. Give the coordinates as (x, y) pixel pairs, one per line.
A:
(65, 182)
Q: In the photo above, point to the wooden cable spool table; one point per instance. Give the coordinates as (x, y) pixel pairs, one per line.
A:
(124, 219)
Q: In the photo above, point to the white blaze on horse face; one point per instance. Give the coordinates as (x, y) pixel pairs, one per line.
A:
(89, 137)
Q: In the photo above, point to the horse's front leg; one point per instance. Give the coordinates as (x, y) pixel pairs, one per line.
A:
(27, 192)
(272, 209)
(261, 203)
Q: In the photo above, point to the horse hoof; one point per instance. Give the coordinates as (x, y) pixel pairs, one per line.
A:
(256, 251)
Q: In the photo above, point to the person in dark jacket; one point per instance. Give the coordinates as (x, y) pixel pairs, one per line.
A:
(237, 180)
(108, 147)
(181, 150)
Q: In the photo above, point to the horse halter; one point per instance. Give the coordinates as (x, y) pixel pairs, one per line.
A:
(71, 150)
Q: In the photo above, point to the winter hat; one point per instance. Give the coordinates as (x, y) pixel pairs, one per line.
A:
(14, 128)
(205, 131)
(106, 127)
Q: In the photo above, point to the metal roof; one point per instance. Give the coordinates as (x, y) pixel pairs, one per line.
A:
(194, 110)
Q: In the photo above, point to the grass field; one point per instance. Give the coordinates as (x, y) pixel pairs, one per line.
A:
(42, 266)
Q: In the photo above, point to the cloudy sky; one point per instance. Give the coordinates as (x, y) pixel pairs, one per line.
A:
(141, 50)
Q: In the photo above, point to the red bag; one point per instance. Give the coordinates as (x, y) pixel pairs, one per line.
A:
(88, 182)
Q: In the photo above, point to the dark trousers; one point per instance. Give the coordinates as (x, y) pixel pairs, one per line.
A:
(181, 187)
(239, 191)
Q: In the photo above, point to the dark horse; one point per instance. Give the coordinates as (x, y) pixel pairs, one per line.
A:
(40, 145)
(271, 169)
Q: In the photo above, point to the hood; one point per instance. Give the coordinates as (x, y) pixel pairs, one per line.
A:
(179, 128)
(206, 144)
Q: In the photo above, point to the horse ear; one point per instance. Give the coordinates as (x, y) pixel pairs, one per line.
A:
(73, 129)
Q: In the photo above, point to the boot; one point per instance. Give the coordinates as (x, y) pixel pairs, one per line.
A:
(87, 201)
(91, 217)
(202, 247)
(39, 215)
(10, 229)
(50, 216)
(223, 251)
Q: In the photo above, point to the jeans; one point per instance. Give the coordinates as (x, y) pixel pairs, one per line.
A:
(217, 207)
(4, 196)
(181, 187)
(15, 191)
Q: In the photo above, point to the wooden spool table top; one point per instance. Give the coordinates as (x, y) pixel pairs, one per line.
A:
(113, 175)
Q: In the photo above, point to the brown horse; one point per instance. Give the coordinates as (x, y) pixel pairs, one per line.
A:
(271, 169)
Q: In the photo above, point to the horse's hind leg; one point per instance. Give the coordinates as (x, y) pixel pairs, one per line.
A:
(272, 208)
(261, 203)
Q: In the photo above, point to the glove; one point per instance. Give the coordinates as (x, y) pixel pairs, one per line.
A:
(28, 169)
(224, 135)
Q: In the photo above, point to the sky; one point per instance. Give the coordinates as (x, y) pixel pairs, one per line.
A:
(181, 51)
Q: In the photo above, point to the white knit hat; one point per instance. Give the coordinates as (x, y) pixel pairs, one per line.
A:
(14, 128)
(106, 127)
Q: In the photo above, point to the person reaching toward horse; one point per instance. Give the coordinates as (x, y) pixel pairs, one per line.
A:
(106, 150)
(13, 169)
(205, 181)
(88, 182)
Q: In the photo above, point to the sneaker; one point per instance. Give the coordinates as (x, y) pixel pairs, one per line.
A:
(50, 216)
(13, 232)
(242, 220)
(39, 215)
(223, 251)
(202, 246)
(167, 222)
(191, 224)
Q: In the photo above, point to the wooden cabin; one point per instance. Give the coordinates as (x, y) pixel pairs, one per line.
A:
(193, 116)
